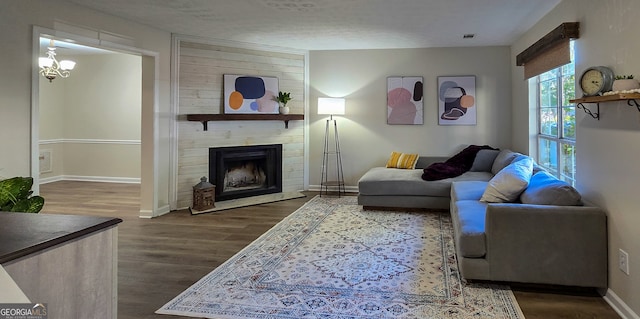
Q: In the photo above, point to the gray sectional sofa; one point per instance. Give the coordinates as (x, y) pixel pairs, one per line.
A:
(542, 234)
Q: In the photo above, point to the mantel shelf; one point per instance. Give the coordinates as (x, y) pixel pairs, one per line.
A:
(205, 118)
(631, 98)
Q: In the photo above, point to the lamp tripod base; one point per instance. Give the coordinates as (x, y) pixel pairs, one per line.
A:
(335, 185)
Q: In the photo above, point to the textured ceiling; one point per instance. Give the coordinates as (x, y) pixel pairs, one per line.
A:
(338, 24)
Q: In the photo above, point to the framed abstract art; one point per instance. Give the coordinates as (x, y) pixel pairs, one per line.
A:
(246, 94)
(457, 100)
(405, 100)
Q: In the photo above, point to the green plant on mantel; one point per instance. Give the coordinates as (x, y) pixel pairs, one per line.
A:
(283, 98)
(15, 196)
(624, 77)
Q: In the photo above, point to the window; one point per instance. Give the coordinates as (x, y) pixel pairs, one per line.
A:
(557, 121)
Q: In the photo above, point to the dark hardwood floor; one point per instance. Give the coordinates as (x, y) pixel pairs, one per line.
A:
(161, 257)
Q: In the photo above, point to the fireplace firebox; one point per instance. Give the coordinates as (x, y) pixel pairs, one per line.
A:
(244, 171)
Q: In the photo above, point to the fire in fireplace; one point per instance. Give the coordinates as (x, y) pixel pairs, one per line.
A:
(243, 171)
(244, 175)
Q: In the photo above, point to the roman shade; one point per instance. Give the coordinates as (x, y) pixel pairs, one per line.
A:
(550, 52)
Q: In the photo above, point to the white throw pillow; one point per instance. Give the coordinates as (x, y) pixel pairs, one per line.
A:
(509, 183)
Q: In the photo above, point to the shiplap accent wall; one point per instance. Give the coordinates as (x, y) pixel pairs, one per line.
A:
(200, 90)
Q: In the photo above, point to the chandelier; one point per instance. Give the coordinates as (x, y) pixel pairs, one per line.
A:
(50, 68)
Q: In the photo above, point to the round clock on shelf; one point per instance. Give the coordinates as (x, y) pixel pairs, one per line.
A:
(596, 80)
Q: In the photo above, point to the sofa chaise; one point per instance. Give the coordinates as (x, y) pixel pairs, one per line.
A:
(540, 232)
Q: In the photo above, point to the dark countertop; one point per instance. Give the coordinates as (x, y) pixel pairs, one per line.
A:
(22, 234)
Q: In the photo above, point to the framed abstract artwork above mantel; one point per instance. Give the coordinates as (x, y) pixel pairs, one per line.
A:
(247, 94)
(457, 100)
(405, 100)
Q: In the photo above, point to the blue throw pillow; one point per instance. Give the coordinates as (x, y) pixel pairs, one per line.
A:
(545, 189)
(504, 158)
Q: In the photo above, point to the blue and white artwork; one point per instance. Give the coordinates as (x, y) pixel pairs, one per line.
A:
(246, 94)
(457, 100)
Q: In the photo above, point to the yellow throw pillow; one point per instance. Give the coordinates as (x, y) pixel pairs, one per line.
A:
(402, 160)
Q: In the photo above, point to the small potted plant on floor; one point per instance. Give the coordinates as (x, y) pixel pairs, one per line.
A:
(15, 196)
(625, 83)
(283, 98)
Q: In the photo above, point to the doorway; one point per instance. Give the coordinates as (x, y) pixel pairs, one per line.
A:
(90, 121)
(84, 129)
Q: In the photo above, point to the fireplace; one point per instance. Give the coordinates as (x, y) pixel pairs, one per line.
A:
(244, 171)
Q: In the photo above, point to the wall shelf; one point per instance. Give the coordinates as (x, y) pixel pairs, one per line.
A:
(631, 98)
(205, 118)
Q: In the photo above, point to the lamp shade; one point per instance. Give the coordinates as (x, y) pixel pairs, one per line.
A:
(45, 62)
(67, 64)
(330, 105)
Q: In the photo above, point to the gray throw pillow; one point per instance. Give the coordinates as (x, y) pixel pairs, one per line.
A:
(508, 184)
(545, 189)
(484, 160)
(504, 158)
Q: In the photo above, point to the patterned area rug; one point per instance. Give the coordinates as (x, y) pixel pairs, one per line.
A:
(331, 259)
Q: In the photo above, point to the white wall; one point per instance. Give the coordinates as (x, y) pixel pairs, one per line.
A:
(52, 108)
(361, 77)
(103, 97)
(17, 19)
(91, 121)
(607, 149)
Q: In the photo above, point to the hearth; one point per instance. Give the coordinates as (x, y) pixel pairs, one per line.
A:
(244, 171)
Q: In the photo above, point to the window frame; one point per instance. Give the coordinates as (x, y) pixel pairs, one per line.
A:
(559, 138)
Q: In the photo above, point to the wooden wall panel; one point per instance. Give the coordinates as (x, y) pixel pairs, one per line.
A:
(200, 90)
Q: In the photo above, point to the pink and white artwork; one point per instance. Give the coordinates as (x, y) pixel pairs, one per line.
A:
(404, 100)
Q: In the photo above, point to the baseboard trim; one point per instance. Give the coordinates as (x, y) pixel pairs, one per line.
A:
(619, 305)
(162, 210)
(50, 179)
(101, 179)
(146, 214)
